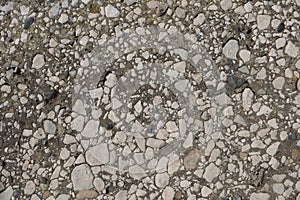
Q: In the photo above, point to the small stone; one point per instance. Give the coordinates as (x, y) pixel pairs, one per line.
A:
(171, 126)
(91, 129)
(280, 27)
(247, 96)
(211, 172)
(137, 172)
(180, 66)
(50, 94)
(181, 85)
(7, 194)
(49, 127)
(295, 154)
(245, 55)
(168, 193)
(278, 83)
(272, 150)
(111, 11)
(291, 50)
(78, 123)
(278, 188)
(298, 84)
(191, 159)
(98, 155)
(292, 137)
(173, 164)
(63, 197)
(54, 10)
(99, 184)
(180, 12)
(130, 2)
(78, 107)
(82, 177)
(162, 180)
(258, 144)
(29, 188)
(226, 4)
(199, 19)
(259, 196)
(64, 154)
(63, 18)
(39, 134)
(28, 22)
(262, 74)
(111, 80)
(86, 194)
(27, 132)
(231, 48)
(263, 21)
(280, 42)
(38, 61)
(121, 195)
(205, 191)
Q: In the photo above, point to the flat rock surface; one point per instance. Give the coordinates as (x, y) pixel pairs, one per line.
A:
(128, 99)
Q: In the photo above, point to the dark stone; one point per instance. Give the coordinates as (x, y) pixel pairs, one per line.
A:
(280, 27)
(1, 142)
(43, 180)
(234, 83)
(28, 22)
(292, 137)
(16, 194)
(49, 95)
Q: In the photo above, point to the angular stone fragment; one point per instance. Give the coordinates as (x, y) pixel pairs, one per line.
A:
(226, 4)
(263, 21)
(38, 61)
(82, 177)
(29, 188)
(272, 149)
(91, 129)
(247, 99)
(137, 172)
(231, 49)
(211, 172)
(49, 127)
(7, 194)
(111, 11)
(191, 159)
(259, 196)
(98, 155)
(168, 193)
(291, 49)
(278, 83)
(161, 180)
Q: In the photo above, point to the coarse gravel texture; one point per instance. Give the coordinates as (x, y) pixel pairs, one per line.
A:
(54, 145)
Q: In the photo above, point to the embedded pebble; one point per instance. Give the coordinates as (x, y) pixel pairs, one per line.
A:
(28, 22)
(231, 49)
(6, 194)
(291, 49)
(278, 83)
(211, 172)
(111, 11)
(38, 61)
(82, 177)
(263, 21)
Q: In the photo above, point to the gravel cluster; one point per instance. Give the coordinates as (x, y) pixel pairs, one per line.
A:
(165, 99)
